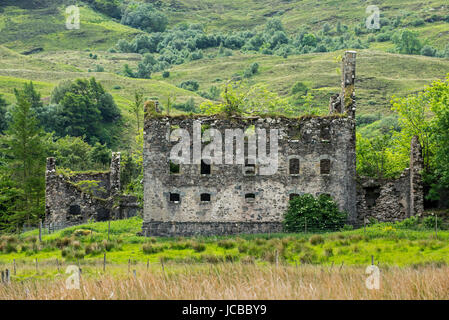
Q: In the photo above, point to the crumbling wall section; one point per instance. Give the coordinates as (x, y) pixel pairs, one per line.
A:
(393, 200)
(67, 202)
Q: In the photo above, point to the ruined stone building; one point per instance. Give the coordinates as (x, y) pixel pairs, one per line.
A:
(315, 155)
(80, 197)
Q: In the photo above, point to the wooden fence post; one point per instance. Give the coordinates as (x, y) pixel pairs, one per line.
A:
(104, 263)
(372, 260)
(148, 264)
(129, 265)
(8, 276)
(436, 226)
(57, 264)
(40, 230)
(14, 266)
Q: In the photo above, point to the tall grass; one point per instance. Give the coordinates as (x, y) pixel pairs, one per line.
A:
(237, 281)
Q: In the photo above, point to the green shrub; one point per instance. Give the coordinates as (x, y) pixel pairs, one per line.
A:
(319, 214)
(429, 222)
(409, 223)
(166, 74)
(328, 252)
(148, 248)
(198, 247)
(191, 85)
(226, 244)
(316, 239)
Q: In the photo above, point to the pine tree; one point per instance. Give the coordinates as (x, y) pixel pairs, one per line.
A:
(23, 148)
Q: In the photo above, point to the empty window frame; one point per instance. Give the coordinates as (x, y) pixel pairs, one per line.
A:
(293, 196)
(250, 197)
(205, 197)
(293, 166)
(325, 133)
(325, 166)
(175, 197)
(205, 167)
(249, 169)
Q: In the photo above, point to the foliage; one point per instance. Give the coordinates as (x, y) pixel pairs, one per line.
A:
(23, 146)
(191, 85)
(109, 7)
(76, 154)
(144, 16)
(85, 109)
(407, 42)
(241, 99)
(3, 122)
(320, 213)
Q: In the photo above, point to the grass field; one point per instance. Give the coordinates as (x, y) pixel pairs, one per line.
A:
(412, 262)
(390, 244)
(234, 281)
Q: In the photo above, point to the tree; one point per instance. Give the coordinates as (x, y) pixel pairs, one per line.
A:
(24, 149)
(145, 17)
(438, 98)
(407, 42)
(137, 107)
(85, 109)
(3, 123)
(414, 119)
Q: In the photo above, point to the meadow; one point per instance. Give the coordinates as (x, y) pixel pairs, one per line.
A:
(413, 261)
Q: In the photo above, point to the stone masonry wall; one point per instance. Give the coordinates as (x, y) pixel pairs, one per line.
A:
(393, 200)
(67, 203)
(309, 139)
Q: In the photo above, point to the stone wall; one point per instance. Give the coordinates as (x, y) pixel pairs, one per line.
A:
(68, 203)
(393, 200)
(230, 201)
(310, 140)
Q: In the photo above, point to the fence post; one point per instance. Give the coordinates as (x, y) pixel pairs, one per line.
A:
(148, 264)
(104, 263)
(40, 230)
(129, 265)
(3, 276)
(436, 226)
(8, 276)
(57, 264)
(372, 260)
(134, 273)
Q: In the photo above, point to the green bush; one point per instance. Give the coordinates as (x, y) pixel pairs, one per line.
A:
(166, 74)
(320, 214)
(191, 85)
(316, 239)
